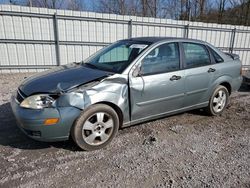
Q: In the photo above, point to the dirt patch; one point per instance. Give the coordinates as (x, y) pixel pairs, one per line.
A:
(185, 150)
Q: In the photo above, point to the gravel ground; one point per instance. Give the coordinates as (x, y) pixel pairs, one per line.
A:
(185, 150)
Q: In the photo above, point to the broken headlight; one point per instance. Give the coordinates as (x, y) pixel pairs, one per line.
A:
(39, 101)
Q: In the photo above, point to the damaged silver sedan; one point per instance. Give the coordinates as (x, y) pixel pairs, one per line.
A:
(126, 83)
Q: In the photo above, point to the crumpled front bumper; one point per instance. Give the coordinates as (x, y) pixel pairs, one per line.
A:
(31, 121)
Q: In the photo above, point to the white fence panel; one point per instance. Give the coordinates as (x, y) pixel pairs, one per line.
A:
(33, 39)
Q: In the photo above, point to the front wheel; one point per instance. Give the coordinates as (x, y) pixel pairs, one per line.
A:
(96, 127)
(218, 101)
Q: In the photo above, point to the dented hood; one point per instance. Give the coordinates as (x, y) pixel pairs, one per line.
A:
(67, 77)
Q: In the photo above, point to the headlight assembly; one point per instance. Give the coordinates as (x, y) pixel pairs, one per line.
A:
(39, 101)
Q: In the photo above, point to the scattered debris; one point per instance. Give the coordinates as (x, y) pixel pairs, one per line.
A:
(149, 141)
(176, 128)
(11, 160)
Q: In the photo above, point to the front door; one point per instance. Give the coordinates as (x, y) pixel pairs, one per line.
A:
(159, 87)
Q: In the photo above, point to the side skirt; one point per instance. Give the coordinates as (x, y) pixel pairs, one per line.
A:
(137, 121)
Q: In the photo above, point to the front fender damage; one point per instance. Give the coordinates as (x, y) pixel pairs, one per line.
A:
(71, 99)
(113, 90)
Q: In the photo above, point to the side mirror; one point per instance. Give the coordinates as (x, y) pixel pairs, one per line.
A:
(137, 72)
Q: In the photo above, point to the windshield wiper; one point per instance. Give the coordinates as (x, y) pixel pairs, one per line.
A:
(77, 63)
(90, 65)
(98, 67)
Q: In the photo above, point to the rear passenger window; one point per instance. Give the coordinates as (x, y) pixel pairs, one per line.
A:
(164, 58)
(196, 55)
(217, 58)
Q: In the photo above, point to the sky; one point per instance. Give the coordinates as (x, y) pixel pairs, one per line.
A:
(88, 4)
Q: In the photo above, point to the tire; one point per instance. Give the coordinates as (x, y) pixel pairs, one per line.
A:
(218, 101)
(95, 127)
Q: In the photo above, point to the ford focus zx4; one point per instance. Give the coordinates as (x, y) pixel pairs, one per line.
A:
(126, 83)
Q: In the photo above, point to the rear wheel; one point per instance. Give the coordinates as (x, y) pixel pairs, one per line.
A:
(218, 101)
(96, 127)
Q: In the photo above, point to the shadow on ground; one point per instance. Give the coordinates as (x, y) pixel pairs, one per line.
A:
(244, 88)
(12, 136)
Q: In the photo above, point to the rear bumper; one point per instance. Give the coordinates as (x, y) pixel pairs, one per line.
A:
(31, 122)
(236, 83)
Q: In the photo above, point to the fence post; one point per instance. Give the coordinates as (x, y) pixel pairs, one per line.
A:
(130, 25)
(232, 39)
(186, 31)
(56, 36)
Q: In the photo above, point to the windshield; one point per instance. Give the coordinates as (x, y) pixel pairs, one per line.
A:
(116, 57)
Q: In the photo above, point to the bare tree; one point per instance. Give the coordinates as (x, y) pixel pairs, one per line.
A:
(144, 7)
(133, 7)
(221, 9)
(202, 4)
(112, 6)
(149, 7)
(55, 4)
(247, 19)
(75, 5)
(202, 10)
(170, 9)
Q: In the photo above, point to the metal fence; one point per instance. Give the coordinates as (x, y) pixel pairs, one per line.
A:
(34, 39)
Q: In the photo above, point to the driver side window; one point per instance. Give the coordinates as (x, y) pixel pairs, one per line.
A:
(164, 58)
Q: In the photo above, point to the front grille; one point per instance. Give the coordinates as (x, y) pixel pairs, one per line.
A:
(20, 96)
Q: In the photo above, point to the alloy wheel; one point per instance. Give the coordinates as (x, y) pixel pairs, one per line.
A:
(219, 101)
(98, 128)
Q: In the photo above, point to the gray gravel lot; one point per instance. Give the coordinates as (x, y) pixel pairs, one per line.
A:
(185, 150)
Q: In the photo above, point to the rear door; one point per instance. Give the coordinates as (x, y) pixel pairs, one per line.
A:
(199, 72)
(160, 86)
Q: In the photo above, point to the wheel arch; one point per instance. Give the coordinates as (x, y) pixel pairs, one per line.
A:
(225, 81)
(228, 86)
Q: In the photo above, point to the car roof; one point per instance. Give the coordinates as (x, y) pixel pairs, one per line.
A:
(158, 39)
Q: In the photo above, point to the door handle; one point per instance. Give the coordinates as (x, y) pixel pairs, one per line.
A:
(174, 77)
(211, 70)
